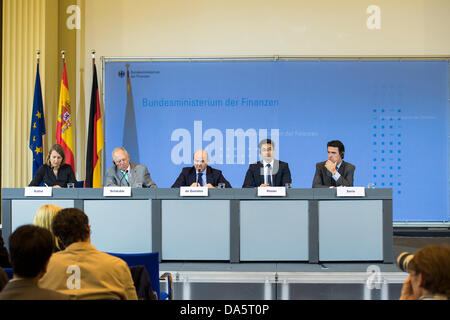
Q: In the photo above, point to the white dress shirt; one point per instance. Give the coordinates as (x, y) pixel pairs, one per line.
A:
(268, 171)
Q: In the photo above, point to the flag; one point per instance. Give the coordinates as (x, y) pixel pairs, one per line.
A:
(37, 125)
(95, 139)
(130, 137)
(64, 124)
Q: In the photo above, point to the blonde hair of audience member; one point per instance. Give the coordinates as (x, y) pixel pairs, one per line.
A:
(44, 217)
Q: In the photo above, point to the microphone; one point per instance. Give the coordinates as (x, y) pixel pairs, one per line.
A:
(123, 175)
(196, 179)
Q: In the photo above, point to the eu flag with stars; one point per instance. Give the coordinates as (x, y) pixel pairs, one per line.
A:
(37, 125)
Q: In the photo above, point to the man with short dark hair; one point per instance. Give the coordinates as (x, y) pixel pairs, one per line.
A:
(80, 269)
(269, 171)
(30, 250)
(334, 172)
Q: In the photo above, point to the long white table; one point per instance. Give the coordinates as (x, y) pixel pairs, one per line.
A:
(311, 225)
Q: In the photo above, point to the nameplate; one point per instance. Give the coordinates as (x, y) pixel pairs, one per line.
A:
(193, 191)
(271, 192)
(38, 191)
(351, 192)
(117, 191)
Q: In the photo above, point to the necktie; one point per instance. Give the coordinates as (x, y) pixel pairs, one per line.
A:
(269, 176)
(125, 173)
(199, 179)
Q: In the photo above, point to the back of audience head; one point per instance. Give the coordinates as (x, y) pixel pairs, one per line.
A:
(44, 218)
(71, 225)
(431, 266)
(30, 249)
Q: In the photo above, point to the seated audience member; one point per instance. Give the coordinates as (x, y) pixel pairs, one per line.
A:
(30, 248)
(44, 217)
(200, 174)
(3, 278)
(126, 173)
(334, 172)
(55, 173)
(80, 269)
(429, 275)
(4, 255)
(269, 172)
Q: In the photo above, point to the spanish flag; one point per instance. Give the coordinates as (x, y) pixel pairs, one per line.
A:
(64, 124)
(95, 138)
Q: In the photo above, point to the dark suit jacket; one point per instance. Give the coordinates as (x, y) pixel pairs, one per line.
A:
(188, 176)
(45, 174)
(324, 179)
(26, 289)
(255, 175)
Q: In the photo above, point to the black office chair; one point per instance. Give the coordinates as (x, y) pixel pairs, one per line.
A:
(151, 263)
(79, 184)
(9, 272)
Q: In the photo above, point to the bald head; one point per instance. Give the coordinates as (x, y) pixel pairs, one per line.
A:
(200, 160)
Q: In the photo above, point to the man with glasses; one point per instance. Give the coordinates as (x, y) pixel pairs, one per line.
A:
(127, 174)
(200, 174)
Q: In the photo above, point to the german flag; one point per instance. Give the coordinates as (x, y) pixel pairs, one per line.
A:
(95, 138)
(64, 124)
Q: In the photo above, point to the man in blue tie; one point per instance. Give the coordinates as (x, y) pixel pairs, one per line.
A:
(200, 175)
(269, 171)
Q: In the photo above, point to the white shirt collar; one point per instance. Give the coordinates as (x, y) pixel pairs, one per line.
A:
(271, 163)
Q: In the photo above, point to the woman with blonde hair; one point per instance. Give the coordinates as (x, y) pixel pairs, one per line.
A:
(44, 218)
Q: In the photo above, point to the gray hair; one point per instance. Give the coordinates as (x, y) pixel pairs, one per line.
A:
(119, 149)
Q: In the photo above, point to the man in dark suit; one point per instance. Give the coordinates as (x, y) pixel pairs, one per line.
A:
(269, 171)
(30, 250)
(334, 172)
(200, 174)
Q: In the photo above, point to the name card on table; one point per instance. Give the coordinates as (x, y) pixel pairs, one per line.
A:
(117, 191)
(193, 191)
(351, 192)
(38, 191)
(271, 192)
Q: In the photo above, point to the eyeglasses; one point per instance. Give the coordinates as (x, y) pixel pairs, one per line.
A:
(120, 161)
(199, 161)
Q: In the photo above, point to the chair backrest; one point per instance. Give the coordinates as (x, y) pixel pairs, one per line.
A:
(149, 260)
(9, 272)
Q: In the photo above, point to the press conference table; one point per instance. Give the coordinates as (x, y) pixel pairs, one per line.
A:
(235, 225)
